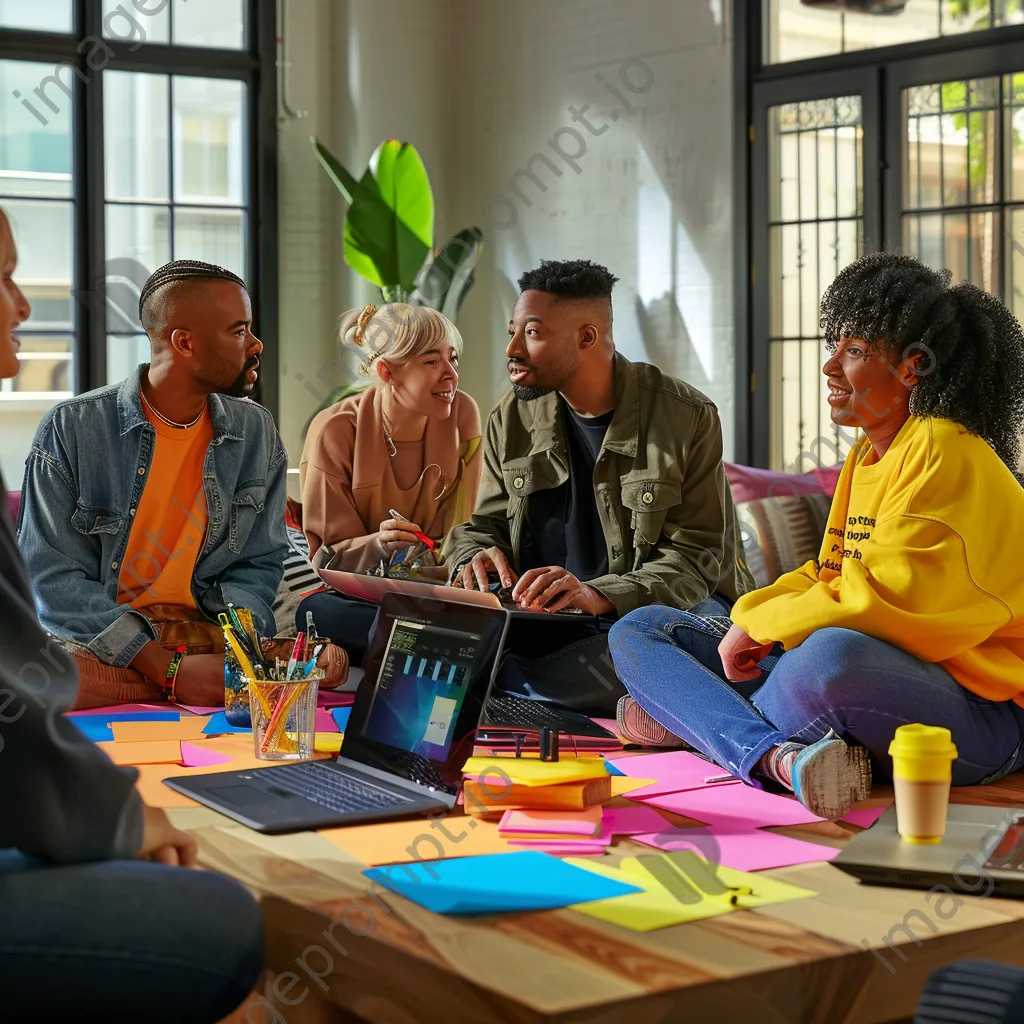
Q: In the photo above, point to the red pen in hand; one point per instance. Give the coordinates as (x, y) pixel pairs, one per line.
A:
(422, 537)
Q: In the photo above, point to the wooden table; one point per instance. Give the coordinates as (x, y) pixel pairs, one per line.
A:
(810, 960)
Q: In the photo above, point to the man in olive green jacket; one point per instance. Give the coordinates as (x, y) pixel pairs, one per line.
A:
(603, 488)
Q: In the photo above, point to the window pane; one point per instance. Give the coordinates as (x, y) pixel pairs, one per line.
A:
(209, 140)
(35, 130)
(135, 115)
(144, 21)
(816, 203)
(41, 15)
(216, 236)
(43, 232)
(138, 241)
(1015, 286)
(124, 354)
(210, 23)
(798, 31)
(45, 362)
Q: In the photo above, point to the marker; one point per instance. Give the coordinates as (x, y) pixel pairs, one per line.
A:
(422, 537)
(299, 640)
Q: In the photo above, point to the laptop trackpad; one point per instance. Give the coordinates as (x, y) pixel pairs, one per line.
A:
(247, 796)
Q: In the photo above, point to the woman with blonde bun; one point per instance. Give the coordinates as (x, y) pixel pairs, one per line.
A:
(409, 442)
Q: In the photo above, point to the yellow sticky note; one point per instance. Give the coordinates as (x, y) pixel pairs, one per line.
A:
(145, 732)
(155, 752)
(528, 771)
(399, 842)
(327, 742)
(654, 907)
(623, 784)
(681, 887)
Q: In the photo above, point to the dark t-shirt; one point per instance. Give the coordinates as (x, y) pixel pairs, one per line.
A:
(562, 524)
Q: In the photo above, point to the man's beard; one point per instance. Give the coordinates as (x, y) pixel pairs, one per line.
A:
(530, 392)
(240, 387)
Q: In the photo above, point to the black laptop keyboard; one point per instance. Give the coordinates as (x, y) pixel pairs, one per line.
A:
(516, 712)
(335, 790)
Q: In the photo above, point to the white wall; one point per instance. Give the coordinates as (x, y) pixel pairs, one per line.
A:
(480, 86)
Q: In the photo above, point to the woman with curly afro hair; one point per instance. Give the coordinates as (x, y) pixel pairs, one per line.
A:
(914, 609)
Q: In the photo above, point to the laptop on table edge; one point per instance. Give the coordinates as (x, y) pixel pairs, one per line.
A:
(429, 673)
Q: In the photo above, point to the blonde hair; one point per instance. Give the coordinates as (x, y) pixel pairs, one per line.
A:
(397, 332)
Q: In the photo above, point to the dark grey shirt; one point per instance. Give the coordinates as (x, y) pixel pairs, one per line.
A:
(62, 797)
(563, 527)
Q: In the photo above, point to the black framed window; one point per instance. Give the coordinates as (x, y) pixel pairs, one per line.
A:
(131, 133)
(916, 147)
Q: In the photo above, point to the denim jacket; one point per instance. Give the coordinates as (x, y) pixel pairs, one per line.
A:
(84, 477)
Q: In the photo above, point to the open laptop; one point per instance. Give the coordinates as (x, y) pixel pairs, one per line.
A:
(981, 853)
(427, 676)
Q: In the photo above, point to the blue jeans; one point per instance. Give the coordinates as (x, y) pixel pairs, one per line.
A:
(124, 941)
(837, 679)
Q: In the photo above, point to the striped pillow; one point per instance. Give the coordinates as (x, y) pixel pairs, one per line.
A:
(780, 534)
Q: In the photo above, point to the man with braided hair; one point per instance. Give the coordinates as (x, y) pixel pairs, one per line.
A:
(152, 504)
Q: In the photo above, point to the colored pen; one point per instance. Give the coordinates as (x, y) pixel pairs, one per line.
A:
(422, 537)
(299, 640)
(718, 778)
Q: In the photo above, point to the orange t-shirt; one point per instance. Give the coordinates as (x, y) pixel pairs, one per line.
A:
(169, 525)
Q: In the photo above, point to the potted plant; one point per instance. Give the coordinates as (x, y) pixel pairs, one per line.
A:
(389, 234)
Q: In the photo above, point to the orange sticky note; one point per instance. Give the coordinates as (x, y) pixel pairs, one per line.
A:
(155, 752)
(150, 785)
(399, 842)
(146, 732)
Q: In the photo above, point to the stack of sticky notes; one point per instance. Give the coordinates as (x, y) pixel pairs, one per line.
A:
(494, 785)
(576, 833)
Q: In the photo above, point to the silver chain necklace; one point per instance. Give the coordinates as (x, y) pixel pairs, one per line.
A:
(163, 419)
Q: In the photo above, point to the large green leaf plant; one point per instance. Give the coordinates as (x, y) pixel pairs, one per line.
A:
(389, 234)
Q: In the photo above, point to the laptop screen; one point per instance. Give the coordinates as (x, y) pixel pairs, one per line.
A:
(427, 674)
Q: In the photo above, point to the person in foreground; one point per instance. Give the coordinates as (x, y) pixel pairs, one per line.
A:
(151, 504)
(88, 932)
(914, 609)
(603, 490)
(410, 442)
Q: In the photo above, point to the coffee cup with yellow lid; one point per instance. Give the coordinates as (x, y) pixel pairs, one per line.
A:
(922, 770)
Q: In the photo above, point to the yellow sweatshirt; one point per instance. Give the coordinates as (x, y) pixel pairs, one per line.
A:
(920, 552)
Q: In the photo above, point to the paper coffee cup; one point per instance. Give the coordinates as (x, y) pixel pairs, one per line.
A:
(922, 769)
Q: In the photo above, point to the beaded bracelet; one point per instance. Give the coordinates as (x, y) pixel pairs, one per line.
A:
(172, 672)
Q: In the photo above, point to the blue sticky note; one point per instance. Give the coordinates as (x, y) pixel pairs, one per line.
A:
(340, 716)
(496, 882)
(218, 723)
(97, 727)
(612, 770)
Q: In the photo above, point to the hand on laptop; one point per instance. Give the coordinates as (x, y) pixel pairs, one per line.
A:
(741, 655)
(492, 561)
(555, 588)
(163, 843)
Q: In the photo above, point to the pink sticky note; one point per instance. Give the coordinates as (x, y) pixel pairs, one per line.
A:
(740, 808)
(578, 823)
(753, 850)
(676, 771)
(332, 699)
(122, 709)
(325, 721)
(201, 709)
(865, 816)
(193, 756)
(562, 848)
(629, 821)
